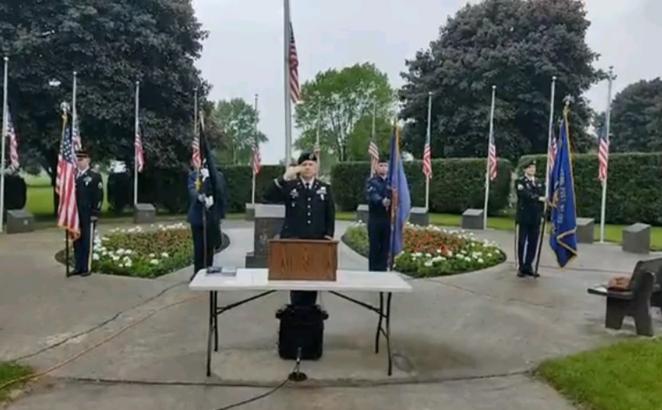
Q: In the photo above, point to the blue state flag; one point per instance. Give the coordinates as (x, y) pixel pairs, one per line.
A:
(563, 238)
(400, 198)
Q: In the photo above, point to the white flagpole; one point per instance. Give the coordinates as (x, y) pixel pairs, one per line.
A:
(135, 157)
(374, 132)
(3, 137)
(549, 137)
(74, 112)
(427, 178)
(253, 161)
(317, 140)
(286, 79)
(487, 166)
(195, 112)
(603, 208)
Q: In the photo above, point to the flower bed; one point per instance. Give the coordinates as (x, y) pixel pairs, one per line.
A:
(141, 253)
(433, 251)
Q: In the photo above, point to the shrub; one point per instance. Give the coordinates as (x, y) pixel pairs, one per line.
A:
(457, 184)
(119, 191)
(239, 184)
(432, 251)
(15, 192)
(634, 188)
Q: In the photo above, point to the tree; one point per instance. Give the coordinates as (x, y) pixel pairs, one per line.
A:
(237, 119)
(111, 44)
(516, 45)
(636, 117)
(340, 99)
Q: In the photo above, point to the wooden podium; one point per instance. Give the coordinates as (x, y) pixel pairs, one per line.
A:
(302, 259)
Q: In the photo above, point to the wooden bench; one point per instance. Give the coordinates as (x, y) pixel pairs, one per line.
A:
(654, 266)
(634, 302)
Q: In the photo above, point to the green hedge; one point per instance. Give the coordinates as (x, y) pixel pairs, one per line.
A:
(15, 192)
(239, 183)
(457, 184)
(634, 188)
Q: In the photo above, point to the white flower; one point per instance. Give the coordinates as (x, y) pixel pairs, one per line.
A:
(154, 262)
(95, 256)
(428, 263)
(164, 255)
(450, 254)
(481, 260)
(121, 265)
(120, 251)
(151, 255)
(115, 258)
(128, 263)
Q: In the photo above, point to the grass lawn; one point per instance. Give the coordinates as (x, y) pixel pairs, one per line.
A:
(625, 376)
(10, 371)
(40, 196)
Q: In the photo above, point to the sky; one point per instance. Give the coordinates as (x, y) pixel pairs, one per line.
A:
(243, 54)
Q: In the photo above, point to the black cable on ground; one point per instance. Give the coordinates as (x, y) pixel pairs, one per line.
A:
(263, 395)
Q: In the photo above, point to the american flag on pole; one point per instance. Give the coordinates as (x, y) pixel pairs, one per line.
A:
(13, 143)
(551, 154)
(67, 214)
(427, 159)
(492, 159)
(603, 155)
(256, 159)
(295, 91)
(138, 145)
(196, 159)
(76, 131)
(373, 152)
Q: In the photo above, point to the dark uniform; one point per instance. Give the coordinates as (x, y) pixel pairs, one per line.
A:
(212, 186)
(529, 212)
(89, 198)
(379, 222)
(309, 214)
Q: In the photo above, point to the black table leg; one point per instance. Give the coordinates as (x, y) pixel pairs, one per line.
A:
(379, 324)
(212, 315)
(388, 333)
(216, 321)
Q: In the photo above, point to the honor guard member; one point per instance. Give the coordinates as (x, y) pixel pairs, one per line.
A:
(378, 195)
(89, 197)
(309, 209)
(206, 196)
(530, 200)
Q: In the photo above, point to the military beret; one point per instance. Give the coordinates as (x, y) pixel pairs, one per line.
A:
(306, 156)
(384, 158)
(81, 153)
(528, 163)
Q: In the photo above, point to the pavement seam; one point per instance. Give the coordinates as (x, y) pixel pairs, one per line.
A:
(98, 325)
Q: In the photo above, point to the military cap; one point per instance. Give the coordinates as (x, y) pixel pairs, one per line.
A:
(81, 153)
(384, 158)
(528, 163)
(306, 156)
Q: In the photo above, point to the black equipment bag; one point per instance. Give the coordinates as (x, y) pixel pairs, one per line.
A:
(301, 327)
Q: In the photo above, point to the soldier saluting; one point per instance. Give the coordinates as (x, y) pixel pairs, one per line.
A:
(89, 197)
(530, 200)
(309, 209)
(378, 195)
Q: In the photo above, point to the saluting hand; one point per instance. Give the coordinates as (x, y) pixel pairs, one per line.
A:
(291, 173)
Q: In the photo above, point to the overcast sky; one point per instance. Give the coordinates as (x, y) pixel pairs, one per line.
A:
(244, 52)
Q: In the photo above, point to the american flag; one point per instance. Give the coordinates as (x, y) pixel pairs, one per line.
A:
(76, 131)
(492, 159)
(138, 145)
(551, 152)
(67, 214)
(13, 143)
(373, 152)
(427, 159)
(196, 159)
(603, 155)
(257, 159)
(295, 91)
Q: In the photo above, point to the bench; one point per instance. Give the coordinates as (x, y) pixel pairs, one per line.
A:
(654, 266)
(634, 302)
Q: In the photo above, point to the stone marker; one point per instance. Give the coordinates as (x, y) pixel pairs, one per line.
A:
(637, 238)
(585, 230)
(250, 212)
(268, 222)
(19, 221)
(362, 213)
(419, 216)
(472, 219)
(144, 214)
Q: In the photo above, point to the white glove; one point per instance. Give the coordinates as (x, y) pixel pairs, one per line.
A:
(291, 173)
(209, 202)
(386, 202)
(205, 173)
(201, 198)
(542, 199)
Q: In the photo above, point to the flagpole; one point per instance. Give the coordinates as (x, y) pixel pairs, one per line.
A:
(256, 147)
(135, 158)
(3, 137)
(74, 112)
(317, 140)
(549, 138)
(286, 83)
(603, 208)
(427, 177)
(487, 165)
(374, 131)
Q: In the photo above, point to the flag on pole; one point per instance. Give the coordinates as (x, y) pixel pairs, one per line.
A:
(373, 152)
(256, 159)
(563, 239)
(427, 159)
(138, 145)
(13, 142)
(400, 198)
(492, 158)
(295, 91)
(67, 214)
(196, 159)
(76, 133)
(603, 155)
(551, 154)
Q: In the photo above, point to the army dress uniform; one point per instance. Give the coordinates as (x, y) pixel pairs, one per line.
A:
(309, 214)
(379, 222)
(529, 212)
(89, 198)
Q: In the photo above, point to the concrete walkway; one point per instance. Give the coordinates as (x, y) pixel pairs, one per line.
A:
(463, 342)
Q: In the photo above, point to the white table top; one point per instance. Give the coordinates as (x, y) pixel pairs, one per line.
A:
(257, 279)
